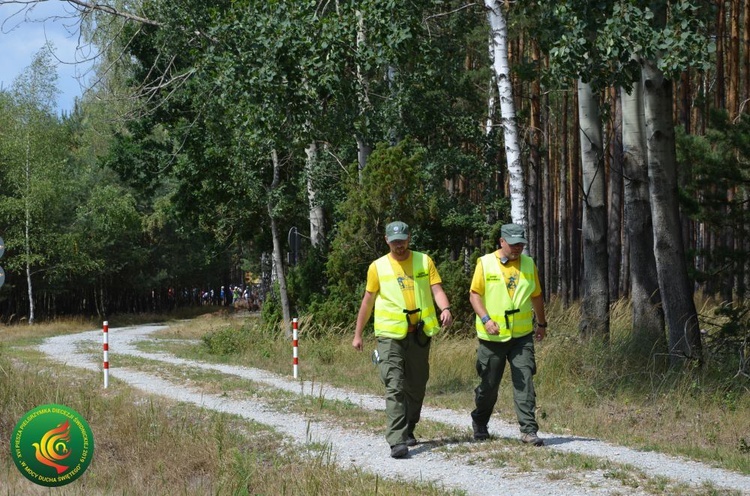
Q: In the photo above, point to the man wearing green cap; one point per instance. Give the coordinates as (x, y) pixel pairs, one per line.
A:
(401, 286)
(507, 299)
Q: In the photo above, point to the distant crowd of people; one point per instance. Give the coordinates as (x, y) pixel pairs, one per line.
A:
(247, 296)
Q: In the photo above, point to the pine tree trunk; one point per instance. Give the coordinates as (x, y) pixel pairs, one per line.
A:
(720, 93)
(733, 97)
(563, 242)
(745, 55)
(535, 232)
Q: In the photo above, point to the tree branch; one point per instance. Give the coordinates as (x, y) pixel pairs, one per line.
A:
(108, 9)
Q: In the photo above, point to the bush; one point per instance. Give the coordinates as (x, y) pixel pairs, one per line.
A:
(456, 284)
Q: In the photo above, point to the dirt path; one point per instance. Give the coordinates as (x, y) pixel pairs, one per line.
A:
(454, 470)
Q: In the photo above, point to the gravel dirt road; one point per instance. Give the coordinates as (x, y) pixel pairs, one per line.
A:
(445, 464)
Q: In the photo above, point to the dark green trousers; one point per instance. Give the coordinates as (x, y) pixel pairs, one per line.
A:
(404, 369)
(491, 359)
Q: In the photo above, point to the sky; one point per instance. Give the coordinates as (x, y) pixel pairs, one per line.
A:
(23, 34)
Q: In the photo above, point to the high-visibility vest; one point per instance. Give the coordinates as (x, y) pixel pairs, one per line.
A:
(497, 301)
(390, 317)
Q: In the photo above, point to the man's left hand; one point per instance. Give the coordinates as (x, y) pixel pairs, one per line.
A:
(446, 319)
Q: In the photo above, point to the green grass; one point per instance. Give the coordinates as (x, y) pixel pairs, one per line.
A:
(145, 445)
(616, 392)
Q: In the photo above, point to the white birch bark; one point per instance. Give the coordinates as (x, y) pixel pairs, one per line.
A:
(363, 96)
(595, 300)
(648, 317)
(669, 251)
(491, 100)
(316, 211)
(501, 69)
(278, 258)
(27, 226)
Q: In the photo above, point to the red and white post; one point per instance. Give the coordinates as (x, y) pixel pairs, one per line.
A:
(105, 346)
(295, 342)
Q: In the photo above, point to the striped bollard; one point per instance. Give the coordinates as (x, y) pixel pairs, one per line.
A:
(295, 342)
(105, 345)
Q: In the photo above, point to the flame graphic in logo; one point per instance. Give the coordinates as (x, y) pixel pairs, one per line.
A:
(52, 448)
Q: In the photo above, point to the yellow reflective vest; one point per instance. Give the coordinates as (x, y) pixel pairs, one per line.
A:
(390, 318)
(499, 305)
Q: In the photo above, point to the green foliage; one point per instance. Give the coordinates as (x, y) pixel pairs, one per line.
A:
(727, 339)
(227, 341)
(39, 188)
(713, 165)
(271, 309)
(306, 280)
(456, 284)
(393, 188)
(338, 307)
(601, 42)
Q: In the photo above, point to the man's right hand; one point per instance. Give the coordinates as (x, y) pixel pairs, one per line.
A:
(357, 343)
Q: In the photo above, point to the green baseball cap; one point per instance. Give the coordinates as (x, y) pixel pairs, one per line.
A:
(513, 234)
(396, 231)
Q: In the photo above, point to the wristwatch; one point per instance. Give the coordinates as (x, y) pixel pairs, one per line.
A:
(485, 319)
(544, 326)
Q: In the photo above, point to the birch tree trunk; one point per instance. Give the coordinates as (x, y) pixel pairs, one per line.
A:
(648, 317)
(501, 68)
(671, 265)
(491, 100)
(489, 124)
(316, 214)
(595, 298)
(614, 198)
(27, 225)
(278, 258)
(363, 96)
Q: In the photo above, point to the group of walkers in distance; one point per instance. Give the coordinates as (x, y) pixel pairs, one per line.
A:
(246, 297)
(403, 287)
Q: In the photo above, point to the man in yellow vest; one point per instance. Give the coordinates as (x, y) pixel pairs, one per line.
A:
(401, 286)
(507, 299)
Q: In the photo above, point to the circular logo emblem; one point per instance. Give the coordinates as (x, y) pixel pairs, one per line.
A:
(52, 445)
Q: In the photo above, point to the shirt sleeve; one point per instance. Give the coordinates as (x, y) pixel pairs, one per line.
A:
(477, 282)
(538, 288)
(373, 281)
(434, 276)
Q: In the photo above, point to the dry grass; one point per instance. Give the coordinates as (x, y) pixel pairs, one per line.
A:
(151, 446)
(618, 392)
(615, 392)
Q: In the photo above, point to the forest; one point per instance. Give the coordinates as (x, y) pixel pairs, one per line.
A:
(269, 142)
